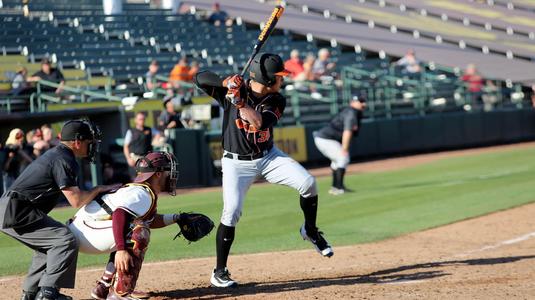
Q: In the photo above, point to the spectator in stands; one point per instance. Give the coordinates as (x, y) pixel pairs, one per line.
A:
(19, 84)
(194, 68)
(323, 68)
(533, 95)
(137, 141)
(14, 156)
(181, 72)
(29, 137)
(38, 149)
(308, 64)
(150, 76)
(410, 64)
(295, 66)
(218, 16)
(48, 136)
(37, 135)
(169, 118)
(33, 136)
(474, 84)
(49, 74)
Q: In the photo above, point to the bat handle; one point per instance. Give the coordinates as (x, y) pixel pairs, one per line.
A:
(246, 67)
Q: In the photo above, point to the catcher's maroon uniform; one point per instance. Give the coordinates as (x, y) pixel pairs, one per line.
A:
(121, 221)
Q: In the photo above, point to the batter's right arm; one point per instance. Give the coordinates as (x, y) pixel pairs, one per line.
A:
(212, 85)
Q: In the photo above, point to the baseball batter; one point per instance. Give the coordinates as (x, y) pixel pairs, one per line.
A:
(119, 223)
(334, 140)
(251, 109)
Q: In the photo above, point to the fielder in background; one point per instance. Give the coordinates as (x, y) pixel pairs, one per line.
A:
(25, 206)
(334, 141)
(251, 109)
(118, 223)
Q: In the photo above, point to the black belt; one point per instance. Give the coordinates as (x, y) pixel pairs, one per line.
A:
(252, 156)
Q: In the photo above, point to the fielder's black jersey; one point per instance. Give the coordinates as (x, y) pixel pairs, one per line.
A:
(238, 135)
(348, 119)
(42, 181)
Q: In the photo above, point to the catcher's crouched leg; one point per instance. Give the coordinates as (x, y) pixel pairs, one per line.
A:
(124, 283)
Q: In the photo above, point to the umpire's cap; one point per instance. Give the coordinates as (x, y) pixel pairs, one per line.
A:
(77, 130)
(265, 67)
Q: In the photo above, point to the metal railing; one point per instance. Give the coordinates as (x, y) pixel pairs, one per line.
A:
(40, 99)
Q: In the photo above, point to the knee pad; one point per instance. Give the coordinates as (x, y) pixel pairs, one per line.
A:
(140, 239)
(308, 188)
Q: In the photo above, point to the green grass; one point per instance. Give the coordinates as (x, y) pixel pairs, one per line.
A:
(384, 205)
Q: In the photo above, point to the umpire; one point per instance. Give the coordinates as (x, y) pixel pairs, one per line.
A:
(24, 208)
(334, 140)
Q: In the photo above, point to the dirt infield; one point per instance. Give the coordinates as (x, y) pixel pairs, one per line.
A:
(490, 257)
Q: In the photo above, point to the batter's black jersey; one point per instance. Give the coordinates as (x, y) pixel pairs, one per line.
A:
(348, 119)
(238, 135)
(42, 181)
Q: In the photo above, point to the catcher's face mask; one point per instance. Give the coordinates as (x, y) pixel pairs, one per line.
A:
(158, 162)
(173, 174)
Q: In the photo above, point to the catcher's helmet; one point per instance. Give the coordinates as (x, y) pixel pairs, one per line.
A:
(159, 161)
(265, 67)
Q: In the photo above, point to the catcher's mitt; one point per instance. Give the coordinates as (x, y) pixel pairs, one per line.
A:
(194, 226)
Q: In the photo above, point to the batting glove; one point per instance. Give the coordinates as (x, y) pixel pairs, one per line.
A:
(234, 84)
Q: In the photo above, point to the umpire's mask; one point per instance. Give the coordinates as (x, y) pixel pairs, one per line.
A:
(83, 130)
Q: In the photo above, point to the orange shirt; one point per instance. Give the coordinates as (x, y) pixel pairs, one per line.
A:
(295, 66)
(181, 73)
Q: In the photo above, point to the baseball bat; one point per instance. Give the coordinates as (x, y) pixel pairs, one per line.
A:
(264, 35)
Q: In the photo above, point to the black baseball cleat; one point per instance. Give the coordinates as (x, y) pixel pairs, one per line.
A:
(221, 279)
(316, 238)
(28, 295)
(50, 293)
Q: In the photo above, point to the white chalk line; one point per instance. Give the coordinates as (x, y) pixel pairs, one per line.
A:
(512, 241)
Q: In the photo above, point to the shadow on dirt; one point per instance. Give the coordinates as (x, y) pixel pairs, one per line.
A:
(400, 274)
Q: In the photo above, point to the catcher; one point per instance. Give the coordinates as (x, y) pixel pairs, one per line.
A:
(119, 223)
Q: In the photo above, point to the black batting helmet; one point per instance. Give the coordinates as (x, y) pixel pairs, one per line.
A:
(265, 67)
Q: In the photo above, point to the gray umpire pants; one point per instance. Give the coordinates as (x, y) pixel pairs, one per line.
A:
(55, 253)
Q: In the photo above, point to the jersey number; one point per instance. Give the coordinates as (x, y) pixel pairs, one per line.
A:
(263, 136)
